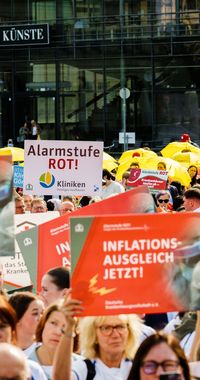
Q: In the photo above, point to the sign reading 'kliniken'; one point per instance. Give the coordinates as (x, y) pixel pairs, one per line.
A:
(31, 34)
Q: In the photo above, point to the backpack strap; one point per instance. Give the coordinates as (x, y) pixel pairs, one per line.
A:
(91, 372)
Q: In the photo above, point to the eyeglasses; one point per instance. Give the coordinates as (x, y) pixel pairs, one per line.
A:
(108, 329)
(150, 366)
(163, 200)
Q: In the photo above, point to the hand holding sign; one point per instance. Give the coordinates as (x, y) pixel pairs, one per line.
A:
(71, 307)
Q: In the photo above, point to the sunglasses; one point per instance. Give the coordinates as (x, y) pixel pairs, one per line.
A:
(163, 200)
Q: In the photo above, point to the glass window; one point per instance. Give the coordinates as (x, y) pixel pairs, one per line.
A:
(44, 11)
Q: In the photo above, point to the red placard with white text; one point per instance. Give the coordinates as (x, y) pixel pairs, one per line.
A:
(136, 263)
(154, 179)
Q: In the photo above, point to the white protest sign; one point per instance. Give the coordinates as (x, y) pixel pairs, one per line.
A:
(24, 222)
(63, 167)
(14, 268)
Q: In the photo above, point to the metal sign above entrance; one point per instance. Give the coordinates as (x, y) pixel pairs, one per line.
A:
(31, 34)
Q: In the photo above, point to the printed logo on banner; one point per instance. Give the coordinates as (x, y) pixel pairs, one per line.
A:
(27, 241)
(47, 180)
(29, 186)
(79, 228)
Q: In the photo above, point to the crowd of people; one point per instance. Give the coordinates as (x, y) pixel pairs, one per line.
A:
(42, 338)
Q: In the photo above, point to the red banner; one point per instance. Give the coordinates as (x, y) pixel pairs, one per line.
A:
(54, 236)
(136, 263)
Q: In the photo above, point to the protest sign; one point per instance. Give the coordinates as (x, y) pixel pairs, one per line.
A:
(24, 222)
(6, 207)
(63, 167)
(18, 176)
(44, 247)
(16, 273)
(54, 236)
(136, 263)
(154, 179)
(49, 241)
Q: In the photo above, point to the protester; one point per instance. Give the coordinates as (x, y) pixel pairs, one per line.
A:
(28, 310)
(66, 207)
(110, 186)
(125, 178)
(48, 334)
(163, 201)
(70, 198)
(38, 205)
(109, 342)
(53, 204)
(27, 201)
(178, 204)
(84, 201)
(14, 364)
(55, 284)
(161, 166)
(24, 133)
(159, 354)
(193, 172)
(191, 199)
(185, 331)
(134, 165)
(19, 205)
(35, 130)
(8, 335)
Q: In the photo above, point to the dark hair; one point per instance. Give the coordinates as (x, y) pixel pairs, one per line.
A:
(60, 277)
(161, 193)
(20, 302)
(126, 175)
(178, 202)
(192, 193)
(7, 313)
(108, 175)
(50, 205)
(152, 341)
(45, 316)
(193, 179)
(84, 201)
(178, 185)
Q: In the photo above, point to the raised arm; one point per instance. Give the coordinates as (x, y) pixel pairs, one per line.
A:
(63, 357)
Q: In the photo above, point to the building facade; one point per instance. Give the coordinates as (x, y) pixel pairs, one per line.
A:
(64, 62)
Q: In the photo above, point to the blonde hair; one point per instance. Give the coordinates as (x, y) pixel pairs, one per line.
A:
(88, 338)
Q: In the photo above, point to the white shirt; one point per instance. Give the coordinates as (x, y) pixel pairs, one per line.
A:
(103, 372)
(112, 188)
(36, 371)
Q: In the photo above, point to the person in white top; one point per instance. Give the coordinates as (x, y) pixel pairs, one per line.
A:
(111, 186)
(109, 342)
(28, 308)
(13, 363)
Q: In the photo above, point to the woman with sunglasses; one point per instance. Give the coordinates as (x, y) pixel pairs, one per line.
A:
(109, 342)
(163, 201)
(159, 354)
